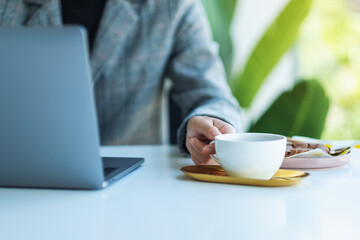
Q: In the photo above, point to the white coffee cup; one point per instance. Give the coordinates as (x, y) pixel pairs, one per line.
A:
(250, 155)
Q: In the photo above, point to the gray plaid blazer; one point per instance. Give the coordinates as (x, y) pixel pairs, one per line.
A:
(139, 43)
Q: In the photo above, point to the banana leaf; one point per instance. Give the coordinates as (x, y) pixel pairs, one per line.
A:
(300, 111)
(275, 42)
(220, 14)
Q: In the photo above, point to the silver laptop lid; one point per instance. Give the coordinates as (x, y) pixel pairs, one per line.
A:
(48, 126)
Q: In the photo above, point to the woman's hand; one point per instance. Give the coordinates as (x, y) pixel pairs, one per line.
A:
(201, 130)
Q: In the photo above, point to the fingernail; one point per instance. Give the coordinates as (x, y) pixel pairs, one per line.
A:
(216, 132)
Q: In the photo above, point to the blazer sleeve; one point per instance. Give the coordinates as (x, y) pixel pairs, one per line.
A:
(197, 73)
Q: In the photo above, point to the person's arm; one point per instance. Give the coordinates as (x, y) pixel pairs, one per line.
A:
(199, 82)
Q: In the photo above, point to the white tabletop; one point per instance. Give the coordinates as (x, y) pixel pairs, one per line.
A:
(158, 202)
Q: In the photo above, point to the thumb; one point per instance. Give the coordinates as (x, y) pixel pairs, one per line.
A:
(208, 130)
(202, 127)
(224, 127)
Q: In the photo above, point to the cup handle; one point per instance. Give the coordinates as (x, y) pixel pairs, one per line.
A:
(213, 156)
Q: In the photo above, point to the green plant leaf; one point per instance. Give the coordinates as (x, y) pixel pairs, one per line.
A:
(220, 14)
(275, 42)
(301, 111)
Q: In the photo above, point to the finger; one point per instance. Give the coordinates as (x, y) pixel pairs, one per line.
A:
(199, 159)
(207, 129)
(196, 155)
(223, 127)
(208, 161)
(209, 149)
(199, 156)
(197, 144)
(195, 149)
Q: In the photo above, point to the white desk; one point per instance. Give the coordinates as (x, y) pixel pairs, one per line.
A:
(158, 202)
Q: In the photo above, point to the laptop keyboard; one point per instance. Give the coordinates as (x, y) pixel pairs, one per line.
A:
(109, 170)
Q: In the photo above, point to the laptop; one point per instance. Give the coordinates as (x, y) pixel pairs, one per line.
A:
(48, 125)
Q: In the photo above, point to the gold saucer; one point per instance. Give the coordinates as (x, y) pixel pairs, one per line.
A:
(211, 173)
